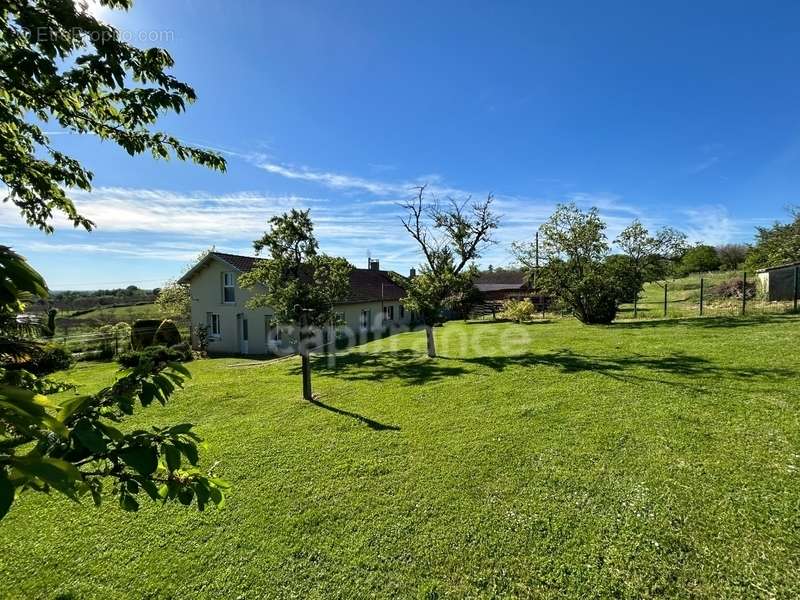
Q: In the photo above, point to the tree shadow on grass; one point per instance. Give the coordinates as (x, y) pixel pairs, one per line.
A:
(721, 322)
(621, 367)
(409, 366)
(375, 425)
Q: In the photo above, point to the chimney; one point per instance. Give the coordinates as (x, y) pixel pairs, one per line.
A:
(412, 273)
(374, 264)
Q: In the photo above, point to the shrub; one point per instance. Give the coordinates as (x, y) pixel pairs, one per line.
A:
(185, 351)
(518, 310)
(698, 259)
(143, 332)
(734, 288)
(154, 354)
(48, 358)
(167, 334)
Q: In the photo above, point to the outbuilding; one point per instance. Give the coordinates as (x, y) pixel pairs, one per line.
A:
(780, 282)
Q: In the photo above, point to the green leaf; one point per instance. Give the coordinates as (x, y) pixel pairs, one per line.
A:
(182, 428)
(189, 450)
(112, 432)
(142, 459)
(89, 436)
(185, 496)
(172, 456)
(57, 473)
(147, 393)
(128, 503)
(217, 496)
(6, 493)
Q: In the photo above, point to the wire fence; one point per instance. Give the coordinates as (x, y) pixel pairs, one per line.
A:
(713, 295)
(93, 345)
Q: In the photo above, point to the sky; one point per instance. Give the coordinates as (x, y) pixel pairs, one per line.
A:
(677, 113)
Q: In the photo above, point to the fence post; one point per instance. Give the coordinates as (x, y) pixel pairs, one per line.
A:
(702, 282)
(796, 286)
(665, 298)
(744, 292)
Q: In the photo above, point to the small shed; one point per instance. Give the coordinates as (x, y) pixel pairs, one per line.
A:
(780, 282)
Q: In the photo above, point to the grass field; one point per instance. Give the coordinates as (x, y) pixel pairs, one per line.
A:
(90, 321)
(636, 460)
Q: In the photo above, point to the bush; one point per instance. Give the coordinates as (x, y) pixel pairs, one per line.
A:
(167, 334)
(155, 354)
(185, 351)
(49, 358)
(518, 310)
(734, 288)
(699, 259)
(143, 332)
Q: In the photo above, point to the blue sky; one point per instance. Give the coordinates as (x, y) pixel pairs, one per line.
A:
(680, 113)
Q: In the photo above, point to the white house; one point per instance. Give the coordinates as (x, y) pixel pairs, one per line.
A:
(373, 305)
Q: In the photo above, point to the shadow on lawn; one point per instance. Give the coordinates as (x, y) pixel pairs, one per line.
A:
(409, 366)
(726, 322)
(365, 420)
(619, 367)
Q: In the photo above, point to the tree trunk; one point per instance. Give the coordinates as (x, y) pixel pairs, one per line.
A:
(431, 341)
(306, 363)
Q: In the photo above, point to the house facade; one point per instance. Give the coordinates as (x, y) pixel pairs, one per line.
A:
(220, 303)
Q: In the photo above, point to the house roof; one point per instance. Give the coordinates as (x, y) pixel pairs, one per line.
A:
(776, 267)
(490, 281)
(366, 285)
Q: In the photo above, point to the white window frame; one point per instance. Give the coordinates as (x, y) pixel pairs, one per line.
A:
(388, 312)
(365, 319)
(229, 286)
(212, 317)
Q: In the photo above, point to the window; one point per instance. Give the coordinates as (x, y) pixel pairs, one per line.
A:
(228, 288)
(402, 311)
(366, 317)
(388, 313)
(214, 325)
(339, 320)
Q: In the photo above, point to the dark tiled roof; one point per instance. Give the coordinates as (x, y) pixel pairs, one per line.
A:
(366, 285)
(776, 267)
(501, 280)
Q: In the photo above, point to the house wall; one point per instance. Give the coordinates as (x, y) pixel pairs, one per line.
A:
(778, 284)
(206, 293)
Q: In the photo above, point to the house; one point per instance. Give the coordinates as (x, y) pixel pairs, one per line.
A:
(503, 284)
(373, 305)
(781, 282)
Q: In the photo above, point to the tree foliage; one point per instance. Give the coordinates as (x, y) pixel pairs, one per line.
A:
(576, 272)
(652, 257)
(75, 447)
(174, 300)
(776, 245)
(301, 286)
(732, 256)
(699, 259)
(519, 311)
(60, 64)
(450, 238)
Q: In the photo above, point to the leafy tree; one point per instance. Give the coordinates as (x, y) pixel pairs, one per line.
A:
(732, 256)
(450, 238)
(174, 300)
(776, 245)
(652, 257)
(519, 311)
(59, 63)
(699, 259)
(302, 286)
(576, 273)
(75, 447)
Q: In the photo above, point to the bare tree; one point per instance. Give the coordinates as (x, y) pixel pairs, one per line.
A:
(451, 237)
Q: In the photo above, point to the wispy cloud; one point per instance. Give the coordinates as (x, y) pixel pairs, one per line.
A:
(704, 165)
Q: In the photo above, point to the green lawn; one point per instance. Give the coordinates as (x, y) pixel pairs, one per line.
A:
(557, 460)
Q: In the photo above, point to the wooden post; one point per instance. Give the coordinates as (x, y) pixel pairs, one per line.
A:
(744, 292)
(305, 361)
(665, 298)
(702, 281)
(796, 286)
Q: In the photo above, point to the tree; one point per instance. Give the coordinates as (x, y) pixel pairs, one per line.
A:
(74, 447)
(59, 63)
(576, 273)
(776, 245)
(174, 300)
(652, 257)
(699, 259)
(302, 286)
(450, 238)
(731, 256)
